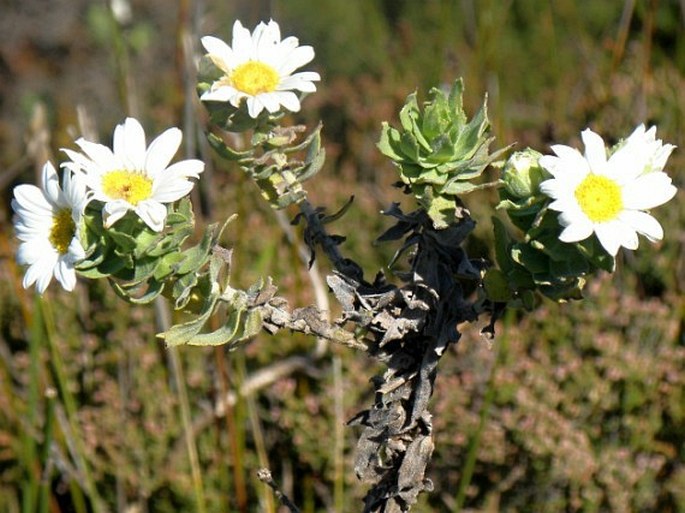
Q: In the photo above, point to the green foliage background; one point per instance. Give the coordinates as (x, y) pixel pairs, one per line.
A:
(576, 407)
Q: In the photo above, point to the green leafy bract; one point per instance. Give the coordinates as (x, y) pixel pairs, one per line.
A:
(542, 262)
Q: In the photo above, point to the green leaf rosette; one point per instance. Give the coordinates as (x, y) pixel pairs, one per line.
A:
(439, 152)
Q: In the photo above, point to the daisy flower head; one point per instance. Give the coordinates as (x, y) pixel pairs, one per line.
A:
(47, 224)
(258, 68)
(609, 194)
(133, 176)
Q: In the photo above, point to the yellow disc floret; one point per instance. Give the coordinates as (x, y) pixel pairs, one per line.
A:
(127, 185)
(62, 230)
(599, 198)
(255, 77)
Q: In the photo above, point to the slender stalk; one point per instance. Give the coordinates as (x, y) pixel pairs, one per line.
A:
(623, 31)
(124, 79)
(69, 406)
(44, 497)
(30, 487)
(191, 446)
(123, 387)
(236, 447)
(257, 434)
(474, 443)
(162, 315)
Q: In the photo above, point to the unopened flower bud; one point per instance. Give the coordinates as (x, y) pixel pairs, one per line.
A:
(522, 174)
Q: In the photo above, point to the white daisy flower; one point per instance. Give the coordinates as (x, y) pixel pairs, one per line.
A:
(609, 196)
(259, 67)
(134, 176)
(47, 224)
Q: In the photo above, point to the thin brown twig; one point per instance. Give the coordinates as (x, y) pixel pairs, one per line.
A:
(264, 475)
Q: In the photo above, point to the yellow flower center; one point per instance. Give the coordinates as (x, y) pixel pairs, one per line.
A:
(62, 230)
(255, 77)
(599, 198)
(130, 186)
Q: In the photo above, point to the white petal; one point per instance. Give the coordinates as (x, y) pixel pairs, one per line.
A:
(162, 150)
(152, 213)
(172, 184)
(236, 99)
(43, 280)
(311, 76)
(280, 52)
(220, 53)
(626, 164)
(609, 237)
(113, 211)
(257, 33)
(242, 42)
(26, 232)
(661, 156)
(299, 83)
(570, 164)
(172, 190)
(270, 101)
(553, 189)
(33, 250)
(289, 100)
(595, 151)
(627, 234)
(75, 192)
(254, 106)
(563, 204)
(189, 168)
(265, 38)
(32, 219)
(639, 134)
(100, 154)
(648, 191)
(214, 45)
(644, 224)
(573, 215)
(65, 274)
(274, 31)
(30, 202)
(40, 273)
(75, 253)
(129, 143)
(50, 180)
(31, 275)
(221, 94)
(568, 153)
(80, 163)
(33, 222)
(297, 58)
(581, 229)
(549, 163)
